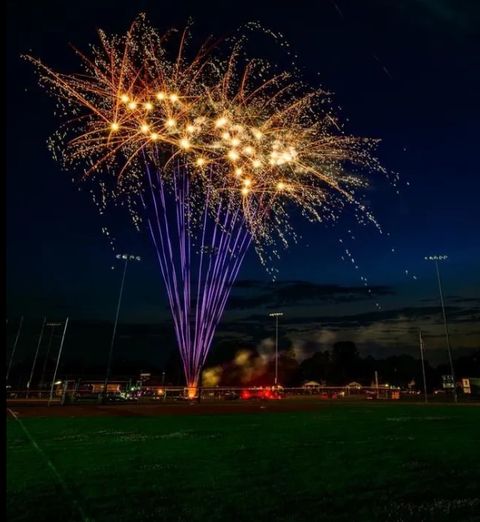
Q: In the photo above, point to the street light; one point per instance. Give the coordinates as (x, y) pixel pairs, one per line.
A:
(436, 259)
(276, 315)
(126, 258)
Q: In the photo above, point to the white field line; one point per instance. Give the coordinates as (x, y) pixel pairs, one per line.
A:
(54, 470)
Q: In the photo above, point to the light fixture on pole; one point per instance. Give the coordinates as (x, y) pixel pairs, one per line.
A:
(126, 258)
(436, 259)
(276, 315)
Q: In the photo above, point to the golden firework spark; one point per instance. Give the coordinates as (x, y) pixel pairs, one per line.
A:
(254, 138)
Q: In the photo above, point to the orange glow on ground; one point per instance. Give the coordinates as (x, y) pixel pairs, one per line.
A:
(192, 392)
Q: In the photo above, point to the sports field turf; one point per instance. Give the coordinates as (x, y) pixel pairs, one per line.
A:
(365, 462)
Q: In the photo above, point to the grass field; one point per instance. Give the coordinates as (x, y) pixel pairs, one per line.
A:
(365, 462)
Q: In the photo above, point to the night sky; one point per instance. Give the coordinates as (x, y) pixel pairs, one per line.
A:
(404, 71)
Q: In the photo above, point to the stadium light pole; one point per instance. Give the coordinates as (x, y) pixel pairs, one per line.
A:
(126, 258)
(276, 315)
(58, 360)
(423, 366)
(49, 346)
(36, 355)
(14, 348)
(436, 259)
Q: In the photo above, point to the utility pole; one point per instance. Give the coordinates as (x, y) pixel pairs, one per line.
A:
(276, 315)
(436, 259)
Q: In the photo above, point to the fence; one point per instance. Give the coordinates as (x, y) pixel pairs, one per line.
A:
(71, 393)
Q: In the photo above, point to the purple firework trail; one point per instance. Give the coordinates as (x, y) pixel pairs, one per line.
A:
(198, 276)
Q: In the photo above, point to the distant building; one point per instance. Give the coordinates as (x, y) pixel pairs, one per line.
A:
(354, 385)
(144, 377)
(311, 384)
(92, 387)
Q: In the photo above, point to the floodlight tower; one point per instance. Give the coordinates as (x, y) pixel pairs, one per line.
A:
(126, 258)
(436, 259)
(14, 348)
(276, 315)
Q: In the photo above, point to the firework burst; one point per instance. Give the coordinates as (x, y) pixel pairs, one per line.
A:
(211, 151)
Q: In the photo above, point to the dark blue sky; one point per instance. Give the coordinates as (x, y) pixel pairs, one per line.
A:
(404, 71)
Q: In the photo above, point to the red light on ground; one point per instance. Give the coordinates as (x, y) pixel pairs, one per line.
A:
(260, 394)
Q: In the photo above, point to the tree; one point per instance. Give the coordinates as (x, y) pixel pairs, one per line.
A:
(345, 362)
(316, 368)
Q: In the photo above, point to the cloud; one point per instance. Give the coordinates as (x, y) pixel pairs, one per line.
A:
(460, 299)
(252, 294)
(375, 331)
(304, 347)
(367, 318)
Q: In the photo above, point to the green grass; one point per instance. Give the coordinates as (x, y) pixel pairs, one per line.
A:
(369, 462)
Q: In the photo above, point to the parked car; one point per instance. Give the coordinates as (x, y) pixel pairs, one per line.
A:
(116, 397)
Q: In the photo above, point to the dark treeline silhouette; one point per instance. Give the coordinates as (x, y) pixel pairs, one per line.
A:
(232, 366)
(336, 367)
(343, 364)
